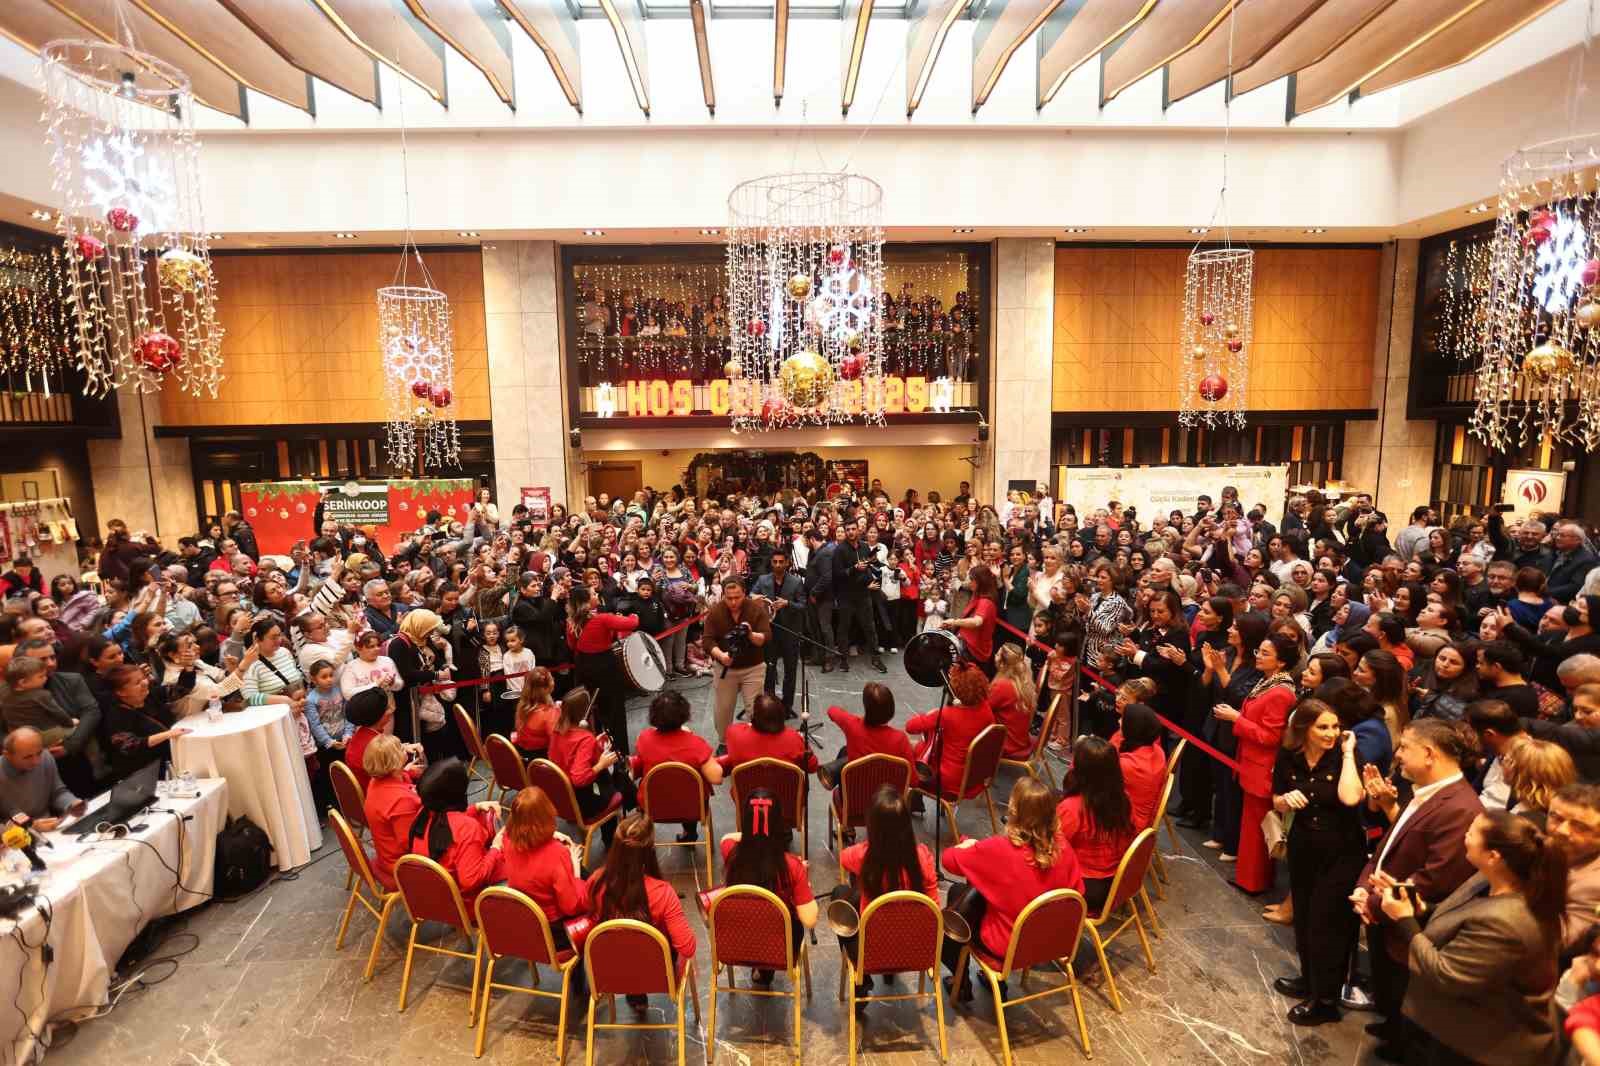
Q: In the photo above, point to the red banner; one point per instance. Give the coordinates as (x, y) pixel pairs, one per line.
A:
(283, 512)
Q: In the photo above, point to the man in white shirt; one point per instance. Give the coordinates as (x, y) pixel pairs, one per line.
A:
(1497, 726)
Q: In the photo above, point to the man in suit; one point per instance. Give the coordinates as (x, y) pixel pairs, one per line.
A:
(819, 588)
(1425, 847)
(1574, 823)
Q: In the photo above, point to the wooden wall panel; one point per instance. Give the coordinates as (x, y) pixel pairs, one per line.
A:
(302, 339)
(1118, 314)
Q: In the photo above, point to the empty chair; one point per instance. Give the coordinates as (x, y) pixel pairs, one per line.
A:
(471, 739)
(510, 772)
(1036, 761)
(364, 889)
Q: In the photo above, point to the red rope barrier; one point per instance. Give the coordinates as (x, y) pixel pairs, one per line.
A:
(1225, 760)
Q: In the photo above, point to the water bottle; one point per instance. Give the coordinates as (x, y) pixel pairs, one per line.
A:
(214, 711)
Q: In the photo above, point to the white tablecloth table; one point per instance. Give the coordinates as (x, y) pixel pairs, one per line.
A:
(101, 895)
(258, 751)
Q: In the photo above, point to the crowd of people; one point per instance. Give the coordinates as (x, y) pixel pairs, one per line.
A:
(1410, 717)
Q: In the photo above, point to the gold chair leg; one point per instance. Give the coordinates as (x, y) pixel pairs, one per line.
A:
(1105, 969)
(561, 1018)
(938, 1006)
(850, 1008)
(344, 923)
(1138, 925)
(405, 974)
(805, 955)
(994, 819)
(844, 965)
(588, 1048)
(711, 1017)
(794, 980)
(483, 1010)
(588, 838)
(477, 971)
(950, 810)
(681, 1040)
(377, 937)
(999, 1015)
(1077, 1006)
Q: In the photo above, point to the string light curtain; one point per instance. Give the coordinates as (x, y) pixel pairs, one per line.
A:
(1218, 310)
(124, 163)
(36, 324)
(805, 288)
(1538, 373)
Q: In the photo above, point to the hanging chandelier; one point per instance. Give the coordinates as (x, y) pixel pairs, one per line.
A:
(124, 162)
(805, 289)
(1218, 307)
(36, 325)
(1538, 373)
(418, 350)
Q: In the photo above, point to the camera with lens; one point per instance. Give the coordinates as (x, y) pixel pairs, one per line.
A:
(737, 640)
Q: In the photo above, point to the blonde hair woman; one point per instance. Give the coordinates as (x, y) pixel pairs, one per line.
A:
(1536, 770)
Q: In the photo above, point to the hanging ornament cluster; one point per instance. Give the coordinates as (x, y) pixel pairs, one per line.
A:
(36, 325)
(124, 161)
(418, 370)
(805, 298)
(1538, 370)
(1217, 318)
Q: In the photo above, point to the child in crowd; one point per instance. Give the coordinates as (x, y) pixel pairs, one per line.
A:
(1060, 678)
(536, 714)
(27, 703)
(325, 708)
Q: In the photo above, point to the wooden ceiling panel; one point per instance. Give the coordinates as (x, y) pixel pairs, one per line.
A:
(1259, 26)
(213, 86)
(1396, 31)
(627, 25)
(551, 26)
(473, 30)
(1163, 35)
(1320, 33)
(310, 42)
(780, 48)
(376, 28)
(924, 41)
(1077, 32)
(1000, 31)
(702, 51)
(210, 29)
(1463, 39)
(852, 46)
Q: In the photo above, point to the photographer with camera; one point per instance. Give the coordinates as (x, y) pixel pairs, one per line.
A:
(736, 630)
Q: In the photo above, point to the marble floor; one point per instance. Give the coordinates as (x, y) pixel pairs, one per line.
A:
(265, 987)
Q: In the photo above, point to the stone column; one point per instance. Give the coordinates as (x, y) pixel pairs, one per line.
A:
(1020, 381)
(1393, 456)
(143, 479)
(527, 392)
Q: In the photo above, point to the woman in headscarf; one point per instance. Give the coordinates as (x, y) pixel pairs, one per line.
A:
(1347, 620)
(455, 834)
(421, 657)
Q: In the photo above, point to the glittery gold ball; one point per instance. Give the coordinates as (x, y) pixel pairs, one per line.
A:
(1588, 314)
(1542, 364)
(805, 379)
(182, 270)
(799, 286)
(733, 368)
(1197, 352)
(1230, 331)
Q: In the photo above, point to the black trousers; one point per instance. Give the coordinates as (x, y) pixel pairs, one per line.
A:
(822, 620)
(859, 612)
(600, 672)
(1196, 779)
(597, 797)
(1323, 870)
(783, 648)
(1389, 981)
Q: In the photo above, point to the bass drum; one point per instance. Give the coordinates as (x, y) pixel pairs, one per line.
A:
(642, 661)
(930, 655)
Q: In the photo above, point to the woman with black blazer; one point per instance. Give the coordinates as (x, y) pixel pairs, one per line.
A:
(1483, 972)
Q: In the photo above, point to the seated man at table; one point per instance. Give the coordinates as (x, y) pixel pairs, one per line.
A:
(30, 784)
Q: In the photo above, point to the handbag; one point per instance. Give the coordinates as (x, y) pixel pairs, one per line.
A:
(1275, 827)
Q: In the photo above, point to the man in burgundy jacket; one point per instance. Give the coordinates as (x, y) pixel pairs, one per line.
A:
(1424, 847)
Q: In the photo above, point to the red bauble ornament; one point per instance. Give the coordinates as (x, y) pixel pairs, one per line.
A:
(836, 255)
(1537, 235)
(90, 247)
(1543, 217)
(758, 328)
(122, 219)
(1207, 318)
(1591, 272)
(1236, 345)
(421, 389)
(852, 366)
(158, 352)
(771, 410)
(441, 396)
(1213, 387)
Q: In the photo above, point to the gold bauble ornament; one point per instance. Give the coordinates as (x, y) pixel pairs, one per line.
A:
(853, 340)
(799, 286)
(1197, 352)
(1588, 314)
(1543, 363)
(1230, 331)
(733, 368)
(182, 270)
(805, 379)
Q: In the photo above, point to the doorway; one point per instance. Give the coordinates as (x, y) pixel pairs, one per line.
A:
(618, 479)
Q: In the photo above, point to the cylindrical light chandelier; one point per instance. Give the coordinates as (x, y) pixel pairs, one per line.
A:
(805, 288)
(1538, 372)
(418, 375)
(1217, 315)
(125, 165)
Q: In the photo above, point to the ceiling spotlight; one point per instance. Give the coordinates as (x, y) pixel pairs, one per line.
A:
(1198, 230)
(1077, 229)
(1478, 209)
(712, 232)
(594, 233)
(963, 229)
(467, 233)
(41, 216)
(345, 236)
(1317, 229)
(214, 236)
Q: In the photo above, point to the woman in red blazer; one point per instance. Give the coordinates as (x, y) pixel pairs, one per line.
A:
(954, 732)
(1258, 728)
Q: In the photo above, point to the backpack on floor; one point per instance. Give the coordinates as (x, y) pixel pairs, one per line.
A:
(244, 858)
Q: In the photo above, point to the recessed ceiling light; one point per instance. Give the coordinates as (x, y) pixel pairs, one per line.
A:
(467, 233)
(963, 229)
(214, 236)
(712, 232)
(1317, 229)
(594, 233)
(1077, 229)
(1478, 209)
(345, 236)
(42, 216)
(1199, 229)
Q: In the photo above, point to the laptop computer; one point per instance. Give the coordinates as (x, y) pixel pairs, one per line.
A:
(128, 797)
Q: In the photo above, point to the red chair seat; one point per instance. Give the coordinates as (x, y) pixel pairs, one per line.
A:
(614, 805)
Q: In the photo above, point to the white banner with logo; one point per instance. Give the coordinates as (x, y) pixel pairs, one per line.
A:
(1527, 491)
(1161, 489)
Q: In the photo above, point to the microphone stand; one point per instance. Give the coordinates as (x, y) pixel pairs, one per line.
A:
(805, 688)
(936, 750)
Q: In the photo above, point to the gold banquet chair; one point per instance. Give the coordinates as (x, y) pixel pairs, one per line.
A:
(364, 889)
(1036, 760)
(432, 895)
(1127, 890)
(510, 925)
(676, 792)
(899, 932)
(749, 926)
(626, 957)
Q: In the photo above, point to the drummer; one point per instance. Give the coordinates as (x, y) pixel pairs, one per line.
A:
(591, 634)
(890, 860)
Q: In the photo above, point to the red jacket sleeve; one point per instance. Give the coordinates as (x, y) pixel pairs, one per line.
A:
(1585, 1014)
(571, 897)
(620, 624)
(922, 723)
(1272, 714)
(477, 865)
(585, 753)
